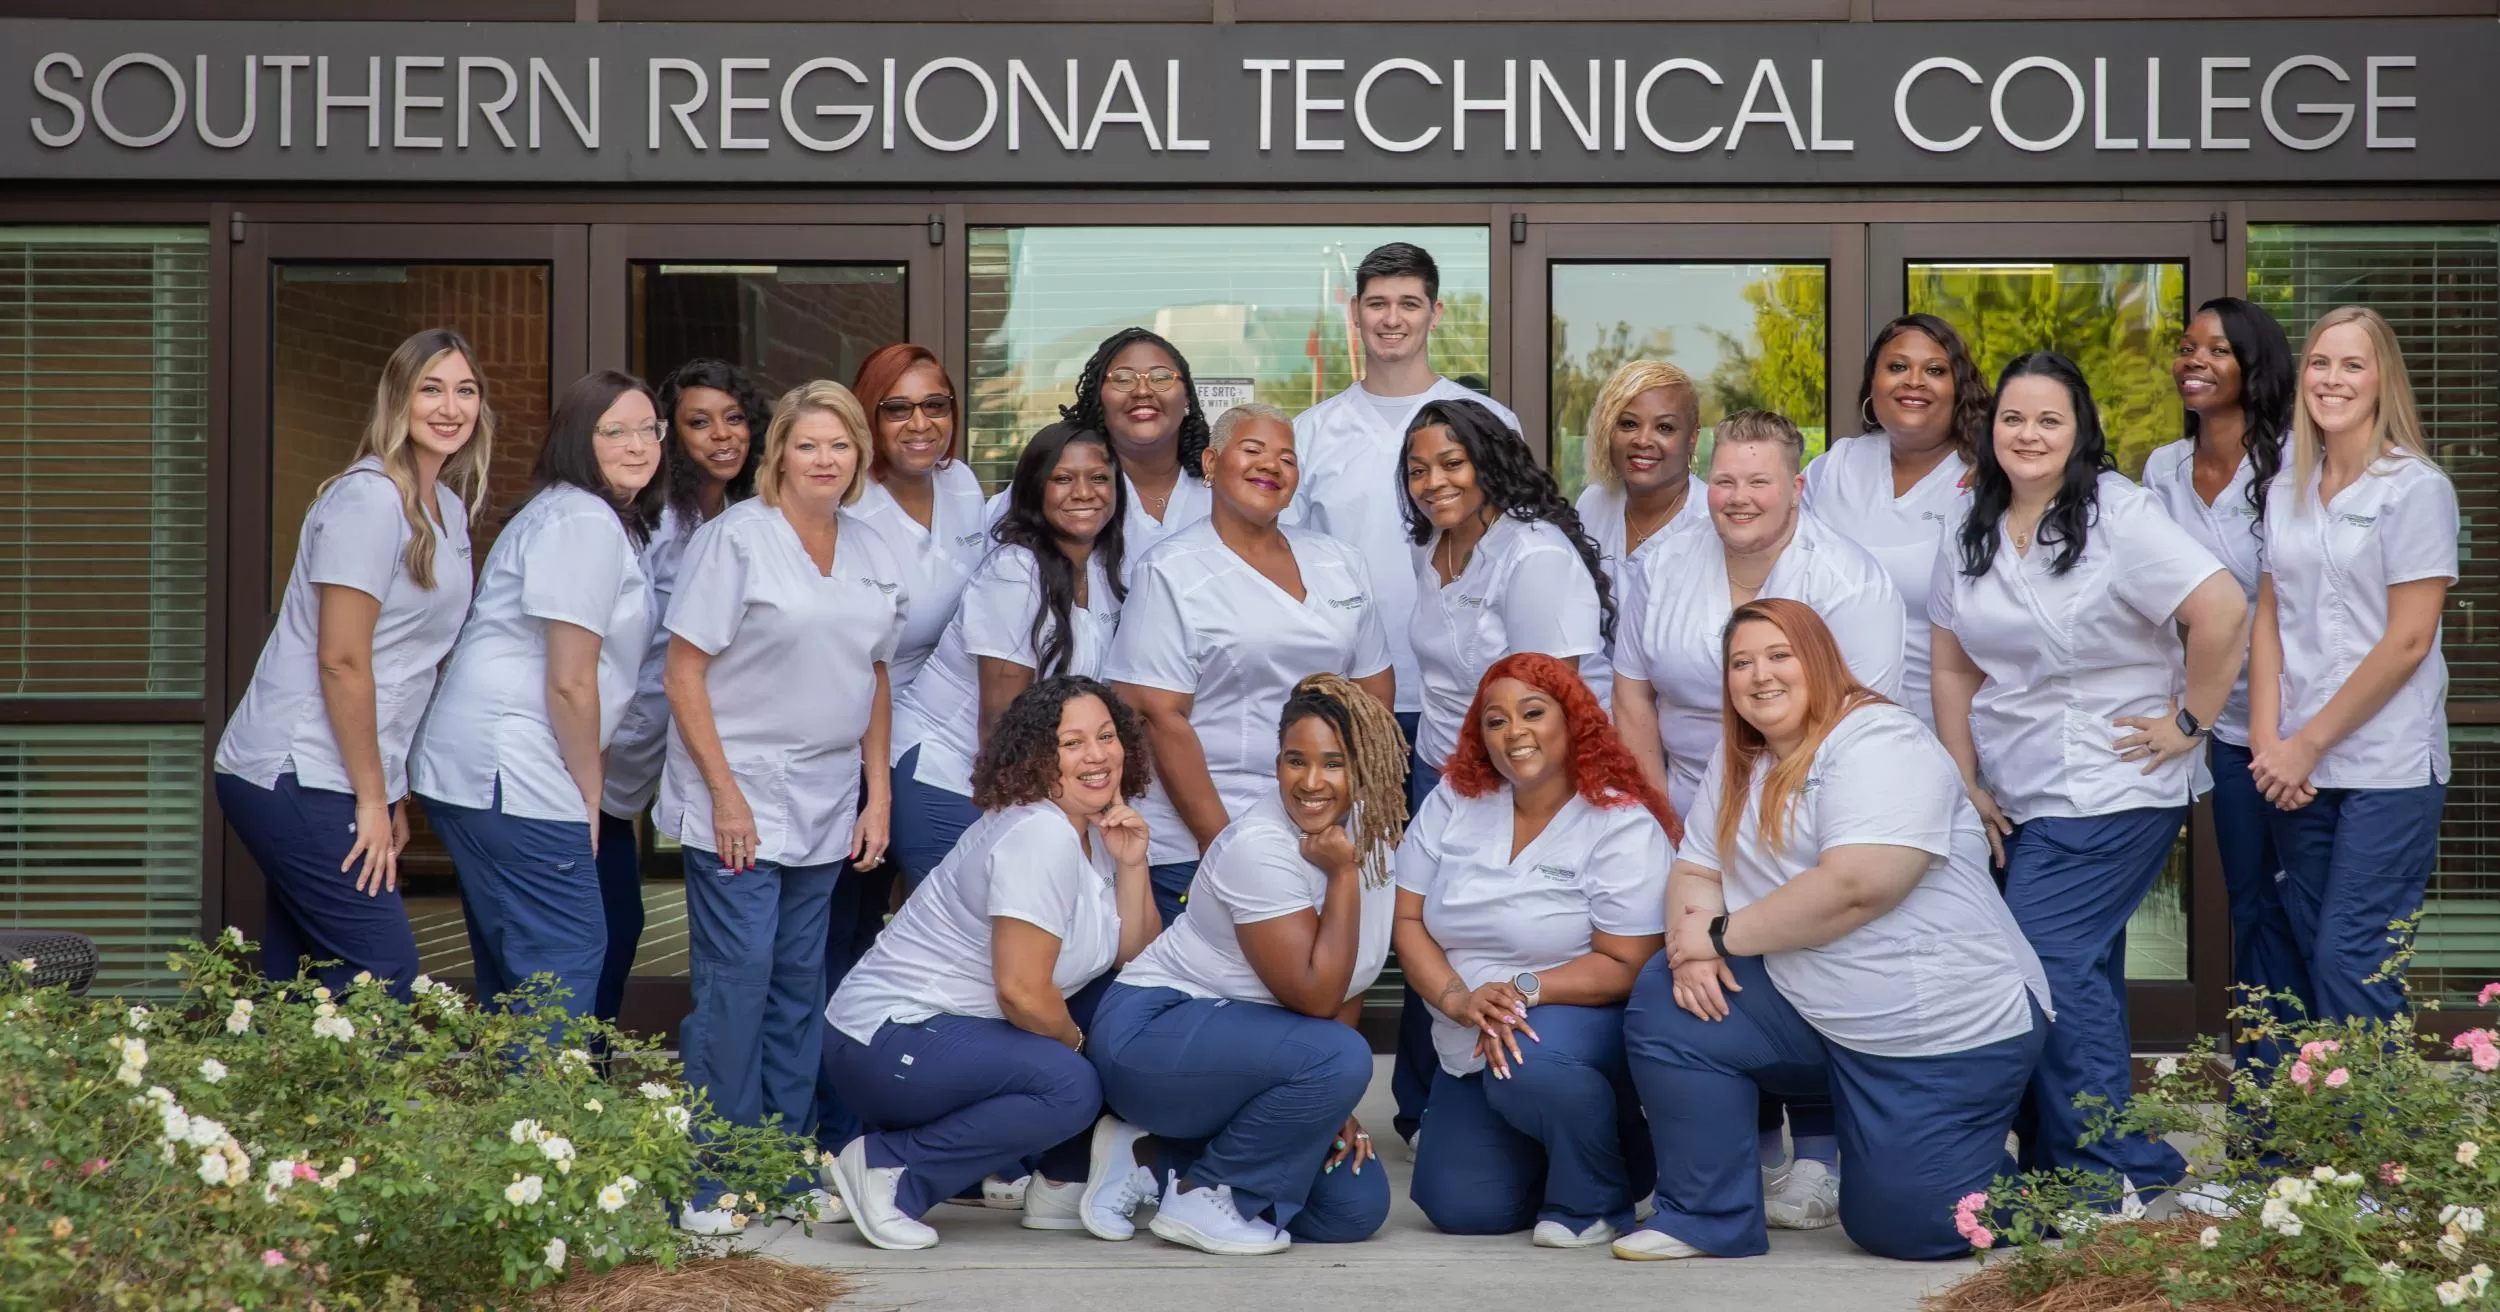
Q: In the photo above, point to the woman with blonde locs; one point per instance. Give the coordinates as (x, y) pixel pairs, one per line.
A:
(1232, 1038)
(312, 771)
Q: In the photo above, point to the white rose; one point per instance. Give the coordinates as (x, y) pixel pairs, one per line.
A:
(555, 1253)
(2390, 1271)
(206, 1133)
(594, 1107)
(2451, 1292)
(321, 992)
(611, 1198)
(556, 1148)
(2166, 1066)
(177, 1125)
(213, 1168)
(281, 1174)
(139, 1018)
(2211, 1238)
(212, 1070)
(525, 1191)
(524, 1131)
(239, 1019)
(572, 1059)
(2469, 1219)
(628, 1183)
(362, 977)
(2322, 1174)
(2467, 1151)
(423, 985)
(655, 1092)
(2451, 1246)
(678, 1118)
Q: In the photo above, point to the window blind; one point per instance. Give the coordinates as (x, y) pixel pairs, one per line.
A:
(100, 835)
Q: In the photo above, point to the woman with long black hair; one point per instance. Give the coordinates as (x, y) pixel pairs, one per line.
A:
(2057, 607)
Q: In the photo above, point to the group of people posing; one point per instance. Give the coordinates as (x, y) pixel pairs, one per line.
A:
(1746, 793)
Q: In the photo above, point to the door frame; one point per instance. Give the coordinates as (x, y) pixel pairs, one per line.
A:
(616, 247)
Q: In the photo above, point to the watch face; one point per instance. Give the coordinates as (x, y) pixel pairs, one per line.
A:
(1525, 983)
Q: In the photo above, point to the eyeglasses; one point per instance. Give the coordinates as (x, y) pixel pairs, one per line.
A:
(897, 409)
(614, 433)
(1126, 380)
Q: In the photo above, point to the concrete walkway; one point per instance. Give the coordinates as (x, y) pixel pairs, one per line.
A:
(987, 1263)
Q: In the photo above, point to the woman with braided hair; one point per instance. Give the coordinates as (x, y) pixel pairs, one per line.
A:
(1232, 1038)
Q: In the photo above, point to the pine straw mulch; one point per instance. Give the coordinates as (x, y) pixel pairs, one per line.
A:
(2101, 1290)
(705, 1284)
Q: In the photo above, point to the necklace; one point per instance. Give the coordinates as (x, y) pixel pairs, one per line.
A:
(1451, 566)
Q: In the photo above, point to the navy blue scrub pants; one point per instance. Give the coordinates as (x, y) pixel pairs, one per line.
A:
(620, 893)
(299, 836)
(1410, 1077)
(530, 892)
(1917, 1133)
(852, 921)
(1248, 1095)
(2072, 882)
(1561, 1140)
(1171, 884)
(756, 942)
(2355, 860)
(927, 822)
(2263, 953)
(954, 1099)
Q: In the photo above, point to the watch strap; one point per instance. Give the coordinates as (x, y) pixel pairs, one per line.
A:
(1718, 935)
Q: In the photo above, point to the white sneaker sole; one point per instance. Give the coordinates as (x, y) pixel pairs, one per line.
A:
(1630, 1254)
(1032, 1222)
(851, 1191)
(1582, 1240)
(1188, 1236)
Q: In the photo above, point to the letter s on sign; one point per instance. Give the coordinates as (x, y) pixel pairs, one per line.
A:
(45, 89)
(1901, 103)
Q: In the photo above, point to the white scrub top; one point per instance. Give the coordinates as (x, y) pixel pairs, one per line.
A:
(2063, 656)
(1671, 626)
(1602, 518)
(2228, 528)
(1192, 501)
(793, 677)
(941, 712)
(355, 536)
(640, 746)
(939, 559)
(1253, 872)
(2332, 568)
(1495, 915)
(1524, 589)
(1201, 621)
(564, 558)
(1947, 969)
(1354, 489)
(1849, 488)
(933, 959)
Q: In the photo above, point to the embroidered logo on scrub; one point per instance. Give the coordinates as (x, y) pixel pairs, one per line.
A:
(1475, 602)
(2358, 521)
(1354, 602)
(881, 586)
(1936, 516)
(971, 539)
(1559, 874)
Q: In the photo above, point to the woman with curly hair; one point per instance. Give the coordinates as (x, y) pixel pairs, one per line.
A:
(1233, 1037)
(959, 1038)
(1531, 888)
(1893, 488)
(1641, 435)
(1137, 389)
(1834, 927)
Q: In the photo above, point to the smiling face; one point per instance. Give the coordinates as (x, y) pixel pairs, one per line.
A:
(1525, 733)
(2035, 430)
(818, 460)
(1141, 414)
(627, 440)
(1256, 472)
(1313, 775)
(1076, 497)
(1765, 681)
(443, 409)
(2339, 379)
(1090, 757)
(1914, 389)
(1753, 494)
(1651, 444)
(2205, 369)
(1396, 318)
(711, 429)
(1440, 478)
(909, 439)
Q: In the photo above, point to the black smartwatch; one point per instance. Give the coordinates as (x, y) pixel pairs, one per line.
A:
(2188, 725)
(1718, 936)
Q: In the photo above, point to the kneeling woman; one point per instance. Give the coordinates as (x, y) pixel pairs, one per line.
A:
(1531, 887)
(1235, 1031)
(1835, 926)
(958, 1039)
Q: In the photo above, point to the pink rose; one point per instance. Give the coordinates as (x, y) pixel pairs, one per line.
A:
(1981, 1236)
(2300, 1073)
(2338, 1077)
(2316, 1049)
(2490, 991)
(1971, 1203)
(2391, 1173)
(272, 1257)
(305, 1171)
(2470, 1040)
(2486, 1058)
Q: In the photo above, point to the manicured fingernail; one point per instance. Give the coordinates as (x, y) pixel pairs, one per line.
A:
(1330, 1167)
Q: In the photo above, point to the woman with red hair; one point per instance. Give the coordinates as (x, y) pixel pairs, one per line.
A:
(1531, 887)
(1835, 929)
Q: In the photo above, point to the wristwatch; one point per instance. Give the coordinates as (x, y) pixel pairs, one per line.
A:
(1526, 983)
(2188, 725)
(1718, 936)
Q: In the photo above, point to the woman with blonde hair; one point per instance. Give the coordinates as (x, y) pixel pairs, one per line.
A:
(2347, 688)
(1640, 479)
(312, 771)
(789, 610)
(1832, 928)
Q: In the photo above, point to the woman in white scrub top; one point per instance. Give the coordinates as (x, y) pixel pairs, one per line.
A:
(1504, 567)
(1831, 892)
(1136, 389)
(313, 767)
(2234, 373)
(1046, 601)
(2057, 607)
(781, 641)
(510, 758)
(1640, 480)
(1756, 543)
(1896, 488)
(1222, 620)
(713, 413)
(2348, 689)
(1531, 887)
(922, 496)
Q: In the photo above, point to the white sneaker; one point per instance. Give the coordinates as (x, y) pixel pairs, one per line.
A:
(816, 1205)
(1807, 1197)
(2204, 1198)
(1653, 1246)
(710, 1222)
(1205, 1219)
(868, 1191)
(1554, 1234)
(1114, 1183)
(1000, 1194)
(1644, 1209)
(1050, 1205)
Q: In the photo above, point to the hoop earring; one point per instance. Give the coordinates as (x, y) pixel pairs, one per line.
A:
(1866, 411)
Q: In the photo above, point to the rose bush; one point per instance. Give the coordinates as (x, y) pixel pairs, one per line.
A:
(250, 1144)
